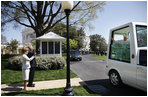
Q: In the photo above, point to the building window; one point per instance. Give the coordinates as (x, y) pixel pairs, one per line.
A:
(50, 47)
(26, 37)
(57, 47)
(23, 37)
(32, 36)
(44, 47)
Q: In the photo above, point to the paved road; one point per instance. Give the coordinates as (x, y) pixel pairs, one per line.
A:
(92, 71)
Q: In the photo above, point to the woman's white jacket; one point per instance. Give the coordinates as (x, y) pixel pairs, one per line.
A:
(26, 61)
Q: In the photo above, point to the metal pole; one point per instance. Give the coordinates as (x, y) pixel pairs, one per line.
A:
(68, 55)
(68, 91)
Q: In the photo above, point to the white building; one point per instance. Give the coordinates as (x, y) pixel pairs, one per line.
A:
(5, 50)
(28, 35)
(51, 44)
(86, 43)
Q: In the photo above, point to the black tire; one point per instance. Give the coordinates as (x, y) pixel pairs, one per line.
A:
(115, 79)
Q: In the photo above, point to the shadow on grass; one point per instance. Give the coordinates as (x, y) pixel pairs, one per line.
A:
(36, 93)
(13, 87)
(31, 94)
(88, 90)
(84, 85)
(104, 88)
(80, 90)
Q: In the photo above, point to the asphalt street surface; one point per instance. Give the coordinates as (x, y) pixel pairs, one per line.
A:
(92, 71)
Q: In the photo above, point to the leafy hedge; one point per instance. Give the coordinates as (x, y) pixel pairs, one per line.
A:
(43, 62)
(8, 56)
(50, 62)
(15, 63)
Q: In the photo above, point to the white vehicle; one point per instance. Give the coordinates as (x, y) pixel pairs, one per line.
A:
(127, 55)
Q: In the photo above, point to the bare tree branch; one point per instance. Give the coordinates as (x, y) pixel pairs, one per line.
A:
(49, 25)
(44, 15)
(32, 9)
(45, 8)
(58, 21)
(23, 5)
(50, 13)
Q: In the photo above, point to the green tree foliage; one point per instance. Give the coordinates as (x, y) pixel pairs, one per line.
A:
(12, 46)
(81, 35)
(59, 29)
(98, 43)
(72, 43)
(33, 43)
(76, 34)
(42, 16)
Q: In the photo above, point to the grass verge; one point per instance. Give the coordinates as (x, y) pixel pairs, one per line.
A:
(14, 76)
(104, 58)
(79, 91)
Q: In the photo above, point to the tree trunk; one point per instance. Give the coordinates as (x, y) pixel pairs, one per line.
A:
(37, 47)
(38, 34)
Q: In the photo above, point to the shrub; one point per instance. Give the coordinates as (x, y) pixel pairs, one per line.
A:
(43, 62)
(8, 56)
(15, 63)
(50, 62)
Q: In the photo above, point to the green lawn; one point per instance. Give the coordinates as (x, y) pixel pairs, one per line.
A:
(14, 76)
(79, 91)
(4, 63)
(104, 58)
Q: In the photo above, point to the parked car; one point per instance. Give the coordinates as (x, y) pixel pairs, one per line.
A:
(127, 55)
(75, 56)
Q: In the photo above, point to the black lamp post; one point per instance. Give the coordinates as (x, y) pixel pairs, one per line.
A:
(68, 90)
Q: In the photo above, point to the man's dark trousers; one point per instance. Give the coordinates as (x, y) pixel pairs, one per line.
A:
(32, 69)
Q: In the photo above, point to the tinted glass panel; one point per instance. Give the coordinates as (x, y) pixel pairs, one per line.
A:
(143, 57)
(50, 47)
(57, 47)
(120, 45)
(44, 47)
(141, 36)
(74, 53)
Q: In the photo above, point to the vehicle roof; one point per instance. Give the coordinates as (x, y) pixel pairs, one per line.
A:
(74, 50)
(130, 23)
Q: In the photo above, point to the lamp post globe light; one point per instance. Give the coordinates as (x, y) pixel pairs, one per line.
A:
(68, 90)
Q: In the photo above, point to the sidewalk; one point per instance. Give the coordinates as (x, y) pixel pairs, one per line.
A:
(7, 88)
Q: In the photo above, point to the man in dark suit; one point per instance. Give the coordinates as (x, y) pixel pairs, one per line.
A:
(33, 65)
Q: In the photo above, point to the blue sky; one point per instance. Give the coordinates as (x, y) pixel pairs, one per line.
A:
(115, 14)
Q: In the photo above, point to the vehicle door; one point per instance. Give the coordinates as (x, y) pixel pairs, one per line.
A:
(120, 50)
(141, 33)
(142, 70)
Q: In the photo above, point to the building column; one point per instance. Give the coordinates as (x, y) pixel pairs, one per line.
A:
(17, 51)
(40, 47)
(4, 52)
(60, 48)
(54, 48)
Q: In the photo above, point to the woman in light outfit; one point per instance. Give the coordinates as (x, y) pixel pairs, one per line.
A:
(26, 66)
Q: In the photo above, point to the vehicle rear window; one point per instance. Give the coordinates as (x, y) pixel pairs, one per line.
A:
(143, 57)
(141, 35)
